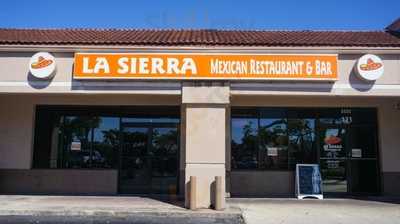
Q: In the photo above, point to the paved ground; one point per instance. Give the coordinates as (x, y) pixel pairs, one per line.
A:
(119, 210)
(327, 211)
(95, 209)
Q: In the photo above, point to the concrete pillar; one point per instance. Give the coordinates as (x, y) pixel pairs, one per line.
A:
(205, 109)
(219, 194)
(192, 192)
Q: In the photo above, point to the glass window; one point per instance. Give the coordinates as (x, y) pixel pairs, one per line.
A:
(164, 141)
(91, 137)
(280, 138)
(87, 142)
(105, 142)
(334, 172)
(364, 116)
(43, 139)
(244, 143)
(330, 116)
(302, 141)
(362, 143)
(273, 139)
(336, 116)
(348, 116)
(135, 141)
(333, 143)
(150, 120)
(76, 132)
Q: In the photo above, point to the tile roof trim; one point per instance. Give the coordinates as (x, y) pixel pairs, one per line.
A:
(205, 37)
(183, 29)
(200, 49)
(206, 48)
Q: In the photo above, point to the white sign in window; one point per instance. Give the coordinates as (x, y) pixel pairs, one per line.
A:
(272, 151)
(75, 146)
(356, 153)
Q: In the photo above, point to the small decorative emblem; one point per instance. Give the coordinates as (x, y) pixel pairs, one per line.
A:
(42, 65)
(370, 67)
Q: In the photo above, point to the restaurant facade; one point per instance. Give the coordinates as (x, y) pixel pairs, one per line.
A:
(126, 112)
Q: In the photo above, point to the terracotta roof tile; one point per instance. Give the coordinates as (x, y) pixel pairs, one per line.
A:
(196, 37)
(395, 26)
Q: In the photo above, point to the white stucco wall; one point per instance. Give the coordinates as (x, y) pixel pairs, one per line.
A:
(15, 77)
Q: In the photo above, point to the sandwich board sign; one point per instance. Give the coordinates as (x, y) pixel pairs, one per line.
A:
(308, 181)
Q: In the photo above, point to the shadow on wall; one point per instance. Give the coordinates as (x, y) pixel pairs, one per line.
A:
(358, 84)
(37, 83)
(279, 86)
(213, 190)
(124, 85)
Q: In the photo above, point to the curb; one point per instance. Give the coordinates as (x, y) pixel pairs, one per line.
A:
(99, 217)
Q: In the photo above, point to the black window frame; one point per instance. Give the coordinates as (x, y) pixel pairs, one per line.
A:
(318, 113)
(46, 114)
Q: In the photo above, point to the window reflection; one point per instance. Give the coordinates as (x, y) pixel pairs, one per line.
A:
(164, 141)
(337, 116)
(244, 143)
(135, 141)
(88, 142)
(273, 138)
(105, 142)
(302, 141)
(164, 149)
(273, 143)
(279, 138)
(96, 138)
(77, 132)
(150, 120)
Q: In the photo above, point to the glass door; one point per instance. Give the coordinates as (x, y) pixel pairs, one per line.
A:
(333, 159)
(364, 178)
(164, 160)
(348, 159)
(149, 159)
(135, 166)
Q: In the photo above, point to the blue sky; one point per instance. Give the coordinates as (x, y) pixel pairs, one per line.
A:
(214, 14)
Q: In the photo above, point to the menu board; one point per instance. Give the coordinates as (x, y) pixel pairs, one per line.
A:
(308, 181)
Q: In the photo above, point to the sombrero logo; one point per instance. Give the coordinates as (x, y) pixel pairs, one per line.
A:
(332, 140)
(370, 67)
(332, 137)
(42, 65)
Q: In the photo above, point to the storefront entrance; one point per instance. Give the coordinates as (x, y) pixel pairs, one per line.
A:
(348, 159)
(140, 145)
(149, 158)
(271, 141)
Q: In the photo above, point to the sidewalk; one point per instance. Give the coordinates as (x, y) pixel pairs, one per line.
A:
(313, 211)
(100, 209)
(133, 209)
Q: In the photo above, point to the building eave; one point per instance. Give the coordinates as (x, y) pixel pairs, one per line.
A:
(209, 49)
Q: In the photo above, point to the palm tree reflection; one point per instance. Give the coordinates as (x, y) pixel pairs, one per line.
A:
(274, 143)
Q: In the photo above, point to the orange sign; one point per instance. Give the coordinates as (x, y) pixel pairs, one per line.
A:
(204, 66)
